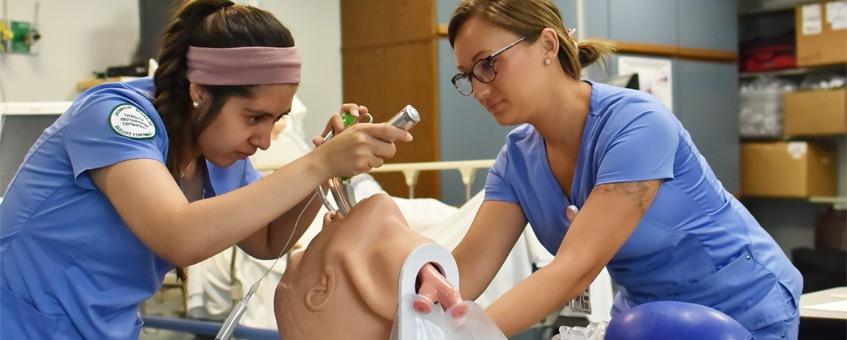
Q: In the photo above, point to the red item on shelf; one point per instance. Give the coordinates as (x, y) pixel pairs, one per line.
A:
(768, 58)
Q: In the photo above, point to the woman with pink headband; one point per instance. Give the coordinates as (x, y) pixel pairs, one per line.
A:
(137, 178)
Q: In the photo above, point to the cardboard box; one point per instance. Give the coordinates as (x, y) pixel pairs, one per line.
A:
(812, 113)
(821, 31)
(788, 169)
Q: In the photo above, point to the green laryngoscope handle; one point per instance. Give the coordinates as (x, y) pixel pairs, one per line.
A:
(349, 120)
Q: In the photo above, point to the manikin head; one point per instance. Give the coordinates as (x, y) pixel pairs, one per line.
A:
(344, 285)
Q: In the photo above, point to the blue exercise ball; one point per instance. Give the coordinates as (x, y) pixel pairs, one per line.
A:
(674, 320)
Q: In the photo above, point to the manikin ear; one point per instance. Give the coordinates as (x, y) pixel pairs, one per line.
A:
(549, 43)
(318, 296)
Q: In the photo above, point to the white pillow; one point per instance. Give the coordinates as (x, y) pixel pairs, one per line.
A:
(289, 145)
(295, 120)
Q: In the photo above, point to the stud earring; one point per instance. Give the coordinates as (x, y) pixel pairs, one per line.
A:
(195, 104)
(547, 61)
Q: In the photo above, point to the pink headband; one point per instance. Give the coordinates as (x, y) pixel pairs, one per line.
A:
(255, 65)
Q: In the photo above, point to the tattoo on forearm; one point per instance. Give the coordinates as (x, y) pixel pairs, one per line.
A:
(637, 192)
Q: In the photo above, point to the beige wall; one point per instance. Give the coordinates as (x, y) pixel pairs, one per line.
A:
(78, 37)
(83, 36)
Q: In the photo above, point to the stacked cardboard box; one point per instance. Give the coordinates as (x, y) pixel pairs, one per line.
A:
(788, 169)
(813, 113)
(821, 31)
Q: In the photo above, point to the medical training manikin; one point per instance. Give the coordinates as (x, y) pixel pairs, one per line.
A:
(368, 273)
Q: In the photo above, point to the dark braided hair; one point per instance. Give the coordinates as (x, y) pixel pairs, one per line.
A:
(204, 23)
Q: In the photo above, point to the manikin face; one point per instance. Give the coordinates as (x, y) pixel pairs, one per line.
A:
(245, 124)
(519, 75)
(344, 285)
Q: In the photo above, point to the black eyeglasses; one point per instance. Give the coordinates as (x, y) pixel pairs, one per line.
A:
(482, 70)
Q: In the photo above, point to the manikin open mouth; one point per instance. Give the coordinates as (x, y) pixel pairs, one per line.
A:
(433, 288)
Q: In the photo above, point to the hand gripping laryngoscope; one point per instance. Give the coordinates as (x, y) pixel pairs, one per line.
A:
(340, 188)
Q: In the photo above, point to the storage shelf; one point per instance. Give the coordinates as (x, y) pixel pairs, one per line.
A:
(799, 71)
(786, 72)
(784, 6)
(758, 11)
(745, 139)
(837, 202)
(793, 138)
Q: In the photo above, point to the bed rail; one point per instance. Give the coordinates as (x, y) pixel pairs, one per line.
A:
(467, 169)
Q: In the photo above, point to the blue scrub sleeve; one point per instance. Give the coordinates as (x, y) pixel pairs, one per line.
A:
(497, 185)
(643, 148)
(93, 143)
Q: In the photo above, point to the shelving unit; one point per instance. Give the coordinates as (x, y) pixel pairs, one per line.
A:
(838, 203)
(799, 223)
(758, 7)
(796, 72)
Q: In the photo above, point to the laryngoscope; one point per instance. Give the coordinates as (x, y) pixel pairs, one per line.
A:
(344, 198)
(340, 188)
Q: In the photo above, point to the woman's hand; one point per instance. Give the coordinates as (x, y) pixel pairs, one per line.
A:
(336, 123)
(359, 148)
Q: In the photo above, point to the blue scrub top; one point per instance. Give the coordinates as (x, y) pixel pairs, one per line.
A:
(696, 243)
(69, 266)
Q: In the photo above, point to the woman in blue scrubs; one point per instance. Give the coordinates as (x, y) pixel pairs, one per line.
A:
(651, 209)
(137, 178)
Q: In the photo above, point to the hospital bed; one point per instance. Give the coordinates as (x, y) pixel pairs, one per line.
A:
(214, 284)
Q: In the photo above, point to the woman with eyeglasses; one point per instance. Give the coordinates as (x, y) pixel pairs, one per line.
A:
(650, 208)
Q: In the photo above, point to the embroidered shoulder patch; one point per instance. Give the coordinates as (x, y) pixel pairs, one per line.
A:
(129, 121)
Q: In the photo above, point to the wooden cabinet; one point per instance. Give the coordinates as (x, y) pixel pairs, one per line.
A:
(388, 52)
